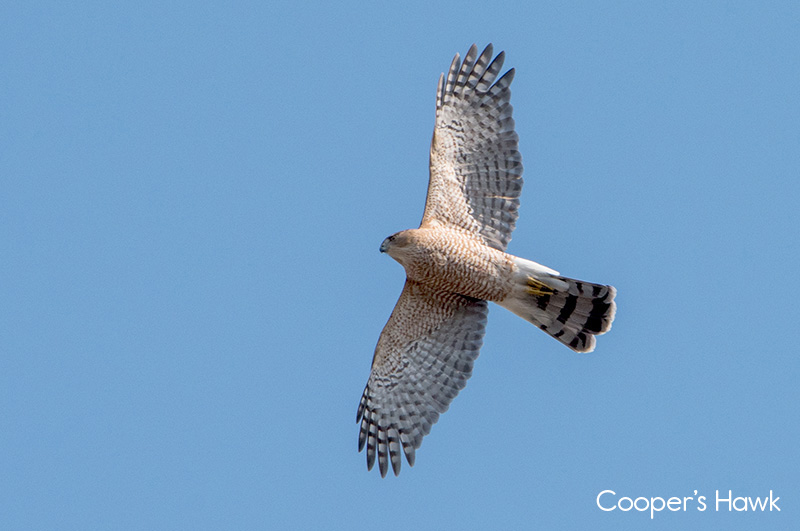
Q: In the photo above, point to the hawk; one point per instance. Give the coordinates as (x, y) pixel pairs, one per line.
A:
(456, 262)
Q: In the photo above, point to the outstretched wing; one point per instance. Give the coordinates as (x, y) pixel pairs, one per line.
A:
(475, 168)
(423, 359)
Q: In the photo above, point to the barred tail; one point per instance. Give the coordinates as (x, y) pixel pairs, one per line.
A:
(570, 310)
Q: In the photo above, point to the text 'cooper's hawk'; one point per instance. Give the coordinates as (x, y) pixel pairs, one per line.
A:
(456, 261)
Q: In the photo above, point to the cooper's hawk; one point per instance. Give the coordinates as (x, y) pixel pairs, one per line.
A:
(456, 261)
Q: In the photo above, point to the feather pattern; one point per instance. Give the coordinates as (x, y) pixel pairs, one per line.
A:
(475, 167)
(423, 359)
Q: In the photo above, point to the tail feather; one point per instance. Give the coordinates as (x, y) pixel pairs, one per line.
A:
(572, 311)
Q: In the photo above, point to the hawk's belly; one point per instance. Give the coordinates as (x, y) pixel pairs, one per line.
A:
(449, 261)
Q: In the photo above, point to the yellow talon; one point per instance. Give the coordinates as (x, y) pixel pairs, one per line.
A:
(537, 288)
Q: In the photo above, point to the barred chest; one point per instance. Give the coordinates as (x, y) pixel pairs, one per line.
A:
(461, 263)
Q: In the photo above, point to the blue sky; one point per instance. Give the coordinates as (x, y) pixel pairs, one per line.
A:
(193, 196)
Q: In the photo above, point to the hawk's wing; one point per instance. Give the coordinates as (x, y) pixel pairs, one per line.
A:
(475, 168)
(423, 359)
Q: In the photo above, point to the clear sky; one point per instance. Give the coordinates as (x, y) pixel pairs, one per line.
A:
(193, 195)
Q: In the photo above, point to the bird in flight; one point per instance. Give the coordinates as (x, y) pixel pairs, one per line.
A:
(456, 262)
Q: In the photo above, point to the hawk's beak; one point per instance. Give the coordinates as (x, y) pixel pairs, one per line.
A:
(385, 245)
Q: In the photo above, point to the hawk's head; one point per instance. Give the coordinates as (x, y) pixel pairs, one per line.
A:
(387, 243)
(396, 242)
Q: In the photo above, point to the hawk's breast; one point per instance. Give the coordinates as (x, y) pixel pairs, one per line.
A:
(459, 262)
